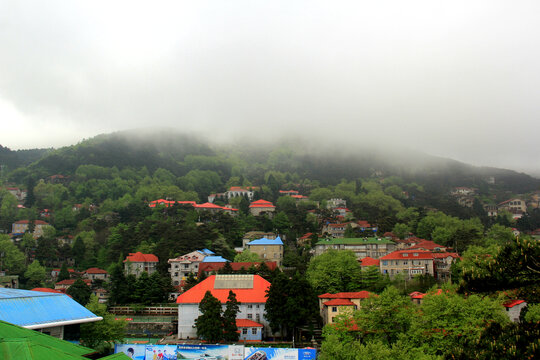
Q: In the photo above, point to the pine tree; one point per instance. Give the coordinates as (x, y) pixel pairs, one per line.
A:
(226, 269)
(64, 273)
(232, 307)
(118, 287)
(275, 305)
(80, 292)
(209, 323)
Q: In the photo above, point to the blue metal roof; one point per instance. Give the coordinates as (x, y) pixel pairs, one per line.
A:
(214, 259)
(27, 308)
(206, 252)
(265, 241)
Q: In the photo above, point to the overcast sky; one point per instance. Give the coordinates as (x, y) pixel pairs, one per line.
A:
(459, 79)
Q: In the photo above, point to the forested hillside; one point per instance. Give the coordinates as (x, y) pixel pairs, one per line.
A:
(98, 191)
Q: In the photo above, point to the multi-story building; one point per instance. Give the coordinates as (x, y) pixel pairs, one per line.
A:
(516, 207)
(250, 291)
(334, 203)
(443, 262)
(267, 249)
(235, 191)
(137, 263)
(22, 226)
(182, 266)
(409, 262)
(362, 247)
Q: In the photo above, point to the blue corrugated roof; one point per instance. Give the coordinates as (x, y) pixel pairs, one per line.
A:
(214, 259)
(206, 252)
(26, 308)
(265, 241)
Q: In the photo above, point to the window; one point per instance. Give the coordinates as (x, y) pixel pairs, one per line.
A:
(244, 331)
(250, 306)
(250, 316)
(258, 317)
(405, 255)
(334, 308)
(385, 262)
(254, 331)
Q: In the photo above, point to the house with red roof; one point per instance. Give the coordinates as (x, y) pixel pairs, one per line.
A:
(305, 239)
(443, 263)
(56, 272)
(332, 305)
(249, 330)
(428, 245)
(137, 263)
(213, 267)
(22, 226)
(250, 291)
(260, 207)
(513, 309)
(96, 274)
(410, 262)
(65, 284)
(517, 207)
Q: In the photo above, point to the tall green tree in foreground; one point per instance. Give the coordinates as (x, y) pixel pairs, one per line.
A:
(101, 335)
(232, 307)
(80, 292)
(334, 271)
(291, 303)
(35, 275)
(209, 323)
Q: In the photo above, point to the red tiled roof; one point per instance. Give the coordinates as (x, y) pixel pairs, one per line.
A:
(193, 203)
(48, 290)
(208, 205)
(337, 302)
(369, 261)
(306, 236)
(363, 223)
(257, 294)
(426, 244)
(444, 255)
(236, 266)
(347, 295)
(96, 271)
(399, 255)
(69, 270)
(72, 281)
(299, 196)
(36, 222)
(261, 203)
(140, 257)
(419, 295)
(512, 303)
(242, 323)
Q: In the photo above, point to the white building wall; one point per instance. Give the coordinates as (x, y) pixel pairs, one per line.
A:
(188, 313)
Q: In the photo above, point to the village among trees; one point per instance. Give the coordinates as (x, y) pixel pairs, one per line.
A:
(365, 258)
